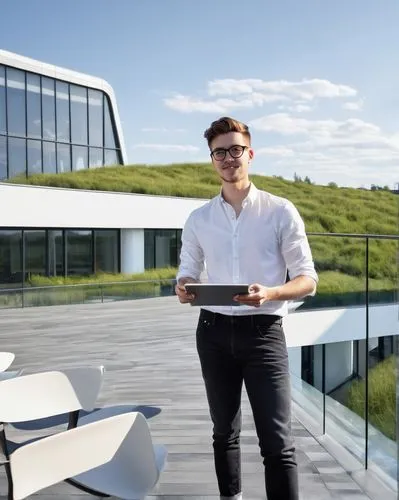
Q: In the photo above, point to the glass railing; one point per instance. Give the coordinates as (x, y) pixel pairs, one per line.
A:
(84, 293)
(354, 269)
(348, 390)
(344, 379)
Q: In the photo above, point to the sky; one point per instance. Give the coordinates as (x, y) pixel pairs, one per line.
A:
(316, 81)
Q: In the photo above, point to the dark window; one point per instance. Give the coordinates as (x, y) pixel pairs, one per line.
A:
(107, 251)
(149, 248)
(62, 102)
(55, 253)
(16, 156)
(160, 248)
(95, 157)
(16, 102)
(34, 157)
(3, 158)
(33, 104)
(48, 103)
(79, 252)
(2, 100)
(109, 134)
(35, 252)
(79, 114)
(49, 161)
(95, 118)
(111, 157)
(11, 257)
(79, 157)
(63, 158)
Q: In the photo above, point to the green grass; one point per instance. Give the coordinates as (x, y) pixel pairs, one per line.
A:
(324, 209)
(150, 274)
(382, 397)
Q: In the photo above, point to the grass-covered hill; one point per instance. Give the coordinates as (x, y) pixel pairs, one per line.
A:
(324, 209)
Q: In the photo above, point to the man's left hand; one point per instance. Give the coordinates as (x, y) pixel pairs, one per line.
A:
(258, 294)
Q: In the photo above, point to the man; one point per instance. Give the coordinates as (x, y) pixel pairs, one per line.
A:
(245, 235)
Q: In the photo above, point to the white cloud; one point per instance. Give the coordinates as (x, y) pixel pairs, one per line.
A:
(187, 104)
(305, 89)
(296, 108)
(163, 130)
(286, 124)
(354, 105)
(342, 151)
(170, 148)
(228, 94)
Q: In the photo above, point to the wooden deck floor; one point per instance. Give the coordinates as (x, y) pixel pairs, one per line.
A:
(148, 349)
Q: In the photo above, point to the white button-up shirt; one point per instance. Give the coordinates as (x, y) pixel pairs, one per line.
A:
(265, 241)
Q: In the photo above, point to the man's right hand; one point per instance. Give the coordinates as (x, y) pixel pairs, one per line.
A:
(184, 296)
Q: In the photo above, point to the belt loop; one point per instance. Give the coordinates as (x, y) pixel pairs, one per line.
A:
(252, 322)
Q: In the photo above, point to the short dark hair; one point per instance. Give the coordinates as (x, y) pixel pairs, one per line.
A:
(225, 125)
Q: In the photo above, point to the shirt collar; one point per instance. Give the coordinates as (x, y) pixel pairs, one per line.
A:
(251, 196)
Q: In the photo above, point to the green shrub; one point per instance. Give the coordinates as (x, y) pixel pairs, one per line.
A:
(382, 397)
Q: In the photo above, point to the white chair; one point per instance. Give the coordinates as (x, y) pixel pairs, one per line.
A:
(111, 456)
(42, 395)
(114, 456)
(6, 359)
(66, 391)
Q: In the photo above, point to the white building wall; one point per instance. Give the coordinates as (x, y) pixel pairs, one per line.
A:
(38, 206)
(132, 251)
(325, 326)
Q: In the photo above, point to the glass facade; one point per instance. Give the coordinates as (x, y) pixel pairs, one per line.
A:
(51, 126)
(161, 247)
(77, 252)
(56, 252)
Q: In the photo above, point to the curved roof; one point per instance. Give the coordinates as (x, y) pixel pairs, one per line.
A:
(70, 76)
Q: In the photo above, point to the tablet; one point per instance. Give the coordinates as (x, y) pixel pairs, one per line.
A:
(207, 294)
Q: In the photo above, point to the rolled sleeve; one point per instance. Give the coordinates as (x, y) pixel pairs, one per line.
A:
(294, 244)
(191, 254)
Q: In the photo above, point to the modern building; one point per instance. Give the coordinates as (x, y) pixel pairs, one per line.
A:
(54, 120)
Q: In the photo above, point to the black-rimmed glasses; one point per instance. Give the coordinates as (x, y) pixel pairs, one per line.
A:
(235, 151)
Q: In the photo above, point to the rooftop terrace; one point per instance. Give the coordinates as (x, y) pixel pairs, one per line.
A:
(148, 349)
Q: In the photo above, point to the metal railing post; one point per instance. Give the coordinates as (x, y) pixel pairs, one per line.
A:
(323, 385)
(366, 406)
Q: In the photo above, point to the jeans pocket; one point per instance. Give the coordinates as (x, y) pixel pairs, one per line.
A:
(273, 331)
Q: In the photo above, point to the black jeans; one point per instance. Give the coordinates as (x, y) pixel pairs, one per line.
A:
(249, 349)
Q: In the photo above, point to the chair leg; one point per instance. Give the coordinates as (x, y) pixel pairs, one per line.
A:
(4, 449)
(73, 419)
(10, 495)
(86, 489)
